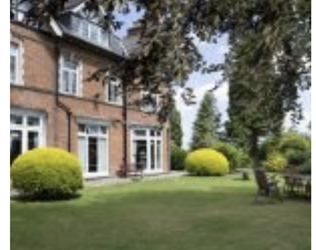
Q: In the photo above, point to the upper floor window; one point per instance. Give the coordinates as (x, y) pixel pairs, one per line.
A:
(149, 102)
(88, 30)
(69, 74)
(114, 92)
(15, 64)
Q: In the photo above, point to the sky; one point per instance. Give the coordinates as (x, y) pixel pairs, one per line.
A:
(202, 82)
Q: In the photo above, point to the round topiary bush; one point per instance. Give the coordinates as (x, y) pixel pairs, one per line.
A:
(205, 162)
(46, 173)
(276, 162)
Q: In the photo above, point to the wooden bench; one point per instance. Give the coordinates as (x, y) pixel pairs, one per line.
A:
(132, 170)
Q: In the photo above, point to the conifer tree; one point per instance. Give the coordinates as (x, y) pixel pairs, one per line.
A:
(206, 123)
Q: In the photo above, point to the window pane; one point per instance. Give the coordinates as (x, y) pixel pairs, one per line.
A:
(93, 129)
(83, 153)
(159, 165)
(94, 33)
(15, 144)
(32, 140)
(33, 121)
(93, 155)
(65, 81)
(103, 129)
(140, 132)
(102, 155)
(13, 72)
(84, 26)
(82, 128)
(104, 38)
(74, 83)
(152, 155)
(16, 119)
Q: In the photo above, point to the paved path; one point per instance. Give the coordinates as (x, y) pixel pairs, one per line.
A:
(115, 180)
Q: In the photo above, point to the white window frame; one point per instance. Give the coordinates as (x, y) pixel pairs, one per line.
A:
(18, 81)
(77, 71)
(148, 138)
(25, 128)
(85, 136)
(117, 99)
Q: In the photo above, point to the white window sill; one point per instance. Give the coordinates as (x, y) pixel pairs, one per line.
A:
(119, 104)
(95, 175)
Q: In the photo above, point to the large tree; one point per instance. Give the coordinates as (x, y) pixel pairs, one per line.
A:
(175, 126)
(204, 132)
(266, 68)
(277, 30)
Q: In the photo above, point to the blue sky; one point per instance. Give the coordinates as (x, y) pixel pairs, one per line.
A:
(203, 82)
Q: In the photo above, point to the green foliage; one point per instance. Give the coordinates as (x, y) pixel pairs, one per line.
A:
(175, 126)
(293, 141)
(206, 162)
(294, 147)
(206, 124)
(236, 157)
(177, 157)
(306, 168)
(268, 146)
(275, 162)
(46, 173)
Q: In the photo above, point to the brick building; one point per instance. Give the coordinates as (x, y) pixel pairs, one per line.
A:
(53, 104)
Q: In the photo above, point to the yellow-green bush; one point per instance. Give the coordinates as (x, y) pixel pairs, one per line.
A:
(205, 162)
(47, 173)
(275, 162)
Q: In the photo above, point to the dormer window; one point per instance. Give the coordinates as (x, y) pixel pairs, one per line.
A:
(87, 30)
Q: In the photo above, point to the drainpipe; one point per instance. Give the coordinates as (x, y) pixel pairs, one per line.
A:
(125, 129)
(60, 104)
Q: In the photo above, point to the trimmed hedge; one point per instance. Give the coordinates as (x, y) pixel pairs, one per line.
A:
(47, 173)
(206, 162)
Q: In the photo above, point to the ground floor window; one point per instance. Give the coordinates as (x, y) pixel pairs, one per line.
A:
(93, 149)
(26, 132)
(147, 149)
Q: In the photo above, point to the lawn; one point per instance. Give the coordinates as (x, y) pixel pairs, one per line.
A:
(186, 213)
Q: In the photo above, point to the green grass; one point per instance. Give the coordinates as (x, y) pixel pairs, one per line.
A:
(185, 213)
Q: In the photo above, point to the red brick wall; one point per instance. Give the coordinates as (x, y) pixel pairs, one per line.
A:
(40, 78)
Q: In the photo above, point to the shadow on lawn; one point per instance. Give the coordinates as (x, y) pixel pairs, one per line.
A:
(44, 198)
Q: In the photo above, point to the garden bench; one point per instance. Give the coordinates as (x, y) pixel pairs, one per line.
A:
(267, 187)
(131, 170)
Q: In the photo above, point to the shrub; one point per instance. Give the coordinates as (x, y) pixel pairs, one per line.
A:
(275, 162)
(268, 146)
(295, 157)
(293, 141)
(177, 157)
(205, 162)
(236, 157)
(46, 173)
(305, 168)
